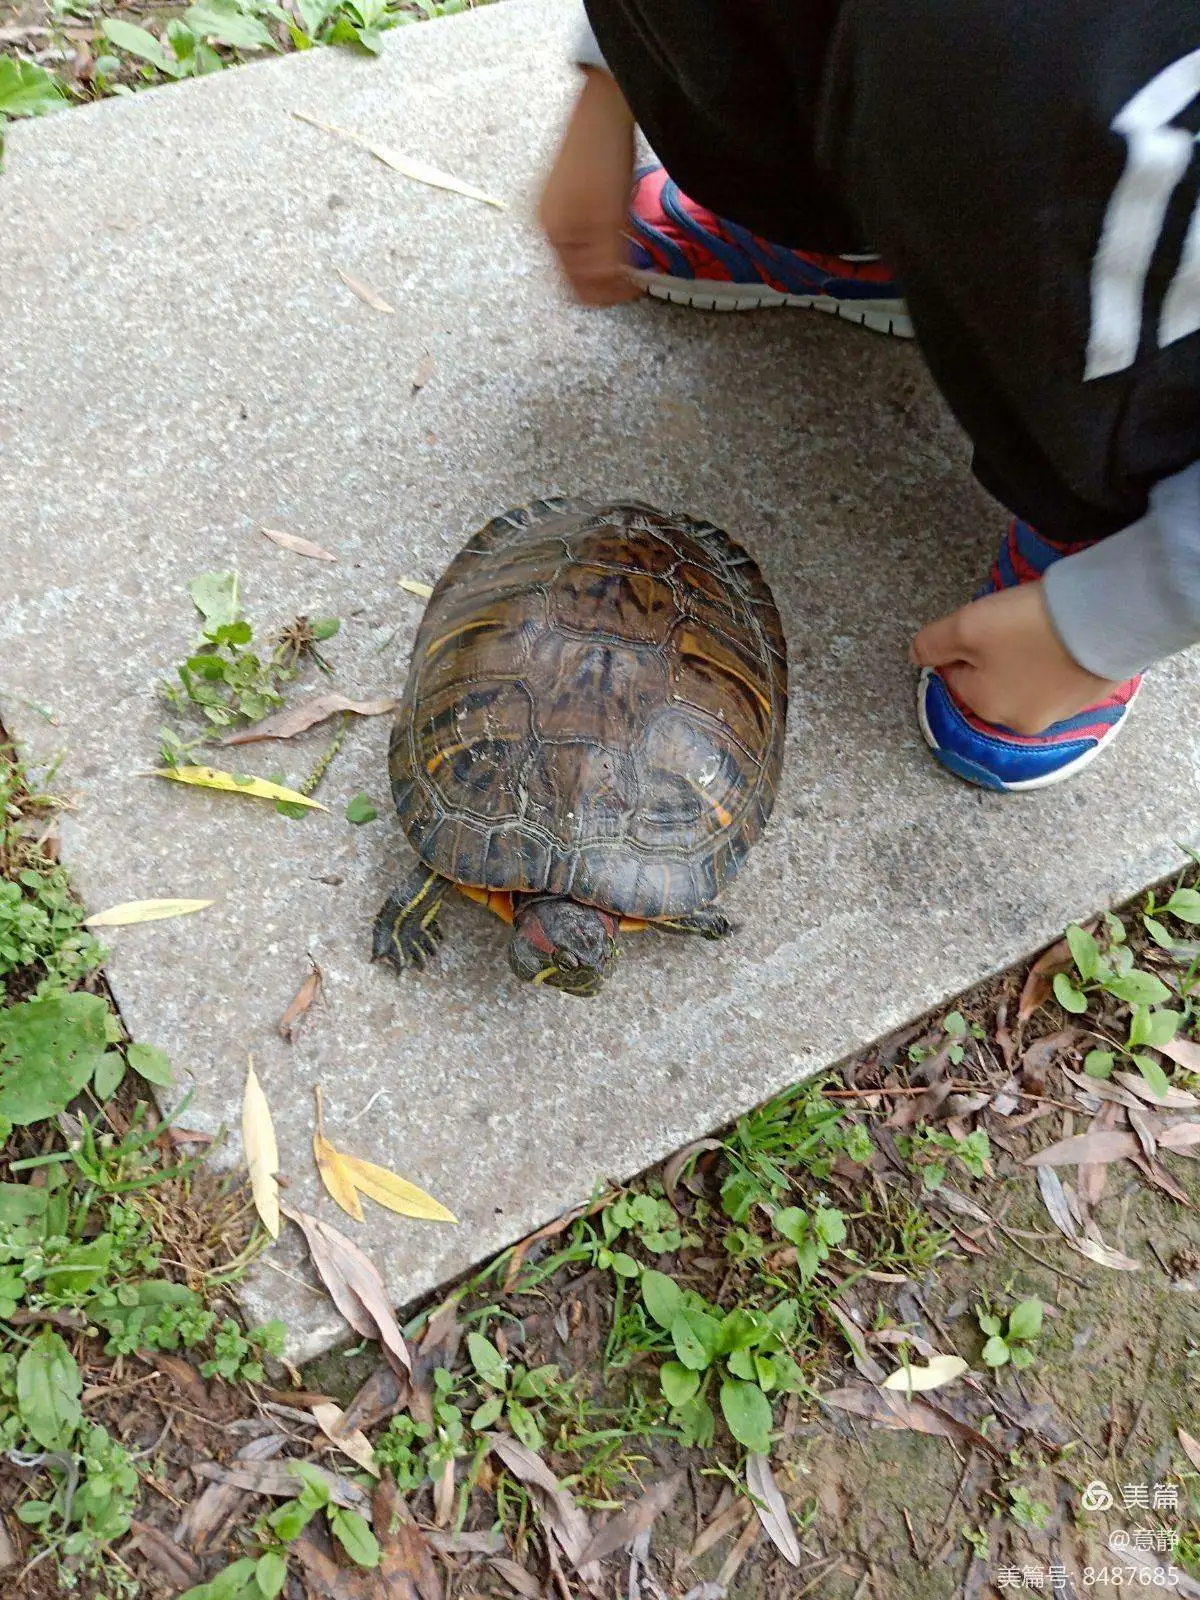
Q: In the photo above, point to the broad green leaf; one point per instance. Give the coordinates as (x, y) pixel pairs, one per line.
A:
(1153, 1074)
(361, 809)
(354, 1535)
(323, 628)
(1021, 1356)
(679, 1383)
(740, 1329)
(1158, 932)
(995, 1352)
(80, 1268)
(48, 1390)
(1138, 989)
(625, 1266)
(151, 1063)
(1025, 1320)
(1160, 1028)
(1185, 904)
(694, 1335)
(955, 1024)
(110, 1069)
(227, 23)
(741, 1364)
(747, 1413)
(696, 1422)
(141, 43)
(1099, 1063)
(488, 1413)
(989, 1323)
(1085, 952)
(49, 1049)
(524, 1424)
(793, 1224)
(270, 1573)
(1067, 995)
(487, 1360)
(830, 1225)
(27, 90)
(290, 1521)
(663, 1297)
(21, 1203)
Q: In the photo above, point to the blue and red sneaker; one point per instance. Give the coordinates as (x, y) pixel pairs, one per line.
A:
(681, 251)
(994, 756)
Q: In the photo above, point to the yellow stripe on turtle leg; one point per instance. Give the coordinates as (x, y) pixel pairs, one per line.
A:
(406, 930)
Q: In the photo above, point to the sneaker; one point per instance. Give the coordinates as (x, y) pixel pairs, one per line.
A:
(684, 253)
(994, 756)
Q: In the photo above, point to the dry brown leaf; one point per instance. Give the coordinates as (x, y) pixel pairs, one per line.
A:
(307, 714)
(9, 1554)
(407, 166)
(302, 547)
(896, 1412)
(1184, 1053)
(365, 293)
(332, 1167)
(1180, 1136)
(181, 1570)
(426, 368)
(326, 1578)
(1191, 1447)
(407, 1570)
(771, 1508)
(1174, 1099)
(1100, 1087)
(277, 1479)
(733, 1561)
(1143, 1126)
(182, 1374)
(723, 1523)
(220, 1502)
(1039, 984)
(1038, 1058)
(415, 586)
(1091, 1149)
(262, 1152)
(568, 1522)
(670, 1172)
(352, 1442)
(865, 1362)
(520, 1581)
(962, 1205)
(378, 1399)
(136, 911)
(396, 1193)
(358, 1286)
(625, 1526)
(1105, 1256)
(300, 1005)
(1055, 1200)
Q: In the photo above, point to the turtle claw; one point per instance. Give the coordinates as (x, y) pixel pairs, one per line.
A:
(406, 930)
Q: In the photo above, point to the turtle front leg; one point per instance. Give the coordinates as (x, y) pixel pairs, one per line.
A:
(707, 921)
(406, 930)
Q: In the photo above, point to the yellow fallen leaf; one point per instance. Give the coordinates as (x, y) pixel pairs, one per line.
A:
(262, 1152)
(415, 586)
(914, 1380)
(356, 1445)
(210, 778)
(365, 293)
(131, 911)
(331, 1164)
(407, 166)
(397, 1194)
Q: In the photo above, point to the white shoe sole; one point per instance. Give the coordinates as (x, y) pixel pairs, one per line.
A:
(881, 316)
(1071, 769)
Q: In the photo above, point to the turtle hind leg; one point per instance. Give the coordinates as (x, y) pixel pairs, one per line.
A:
(406, 929)
(707, 921)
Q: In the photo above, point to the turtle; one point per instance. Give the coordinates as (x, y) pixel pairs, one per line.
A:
(590, 738)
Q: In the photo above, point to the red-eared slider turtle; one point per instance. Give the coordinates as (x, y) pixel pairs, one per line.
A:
(591, 735)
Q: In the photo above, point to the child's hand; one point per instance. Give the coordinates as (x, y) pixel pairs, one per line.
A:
(1002, 658)
(586, 198)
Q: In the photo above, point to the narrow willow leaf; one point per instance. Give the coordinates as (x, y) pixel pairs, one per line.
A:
(262, 1152)
(396, 1193)
(228, 783)
(134, 911)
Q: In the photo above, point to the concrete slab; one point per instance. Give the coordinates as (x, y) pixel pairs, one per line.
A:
(182, 365)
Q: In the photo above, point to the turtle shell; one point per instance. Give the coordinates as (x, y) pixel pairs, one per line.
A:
(595, 707)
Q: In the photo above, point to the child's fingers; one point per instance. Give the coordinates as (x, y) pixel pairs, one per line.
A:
(941, 643)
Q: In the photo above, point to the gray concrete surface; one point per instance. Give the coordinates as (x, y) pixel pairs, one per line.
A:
(182, 365)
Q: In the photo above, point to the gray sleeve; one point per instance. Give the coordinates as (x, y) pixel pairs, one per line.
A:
(1135, 597)
(587, 51)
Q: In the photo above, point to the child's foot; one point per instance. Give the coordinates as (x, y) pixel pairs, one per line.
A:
(993, 756)
(682, 252)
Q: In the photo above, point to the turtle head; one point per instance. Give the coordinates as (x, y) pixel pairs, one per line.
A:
(565, 945)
